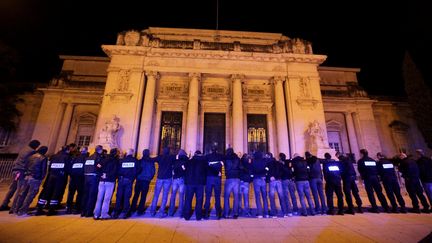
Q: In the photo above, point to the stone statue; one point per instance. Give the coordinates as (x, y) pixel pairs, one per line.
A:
(298, 47)
(316, 136)
(108, 134)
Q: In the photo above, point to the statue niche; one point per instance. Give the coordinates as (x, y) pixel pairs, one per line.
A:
(108, 134)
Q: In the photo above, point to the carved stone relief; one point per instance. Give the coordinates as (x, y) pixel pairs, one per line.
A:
(132, 38)
(215, 91)
(172, 89)
(257, 92)
(107, 137)
(123, 80)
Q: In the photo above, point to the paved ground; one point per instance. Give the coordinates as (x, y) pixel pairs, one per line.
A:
(358, 228)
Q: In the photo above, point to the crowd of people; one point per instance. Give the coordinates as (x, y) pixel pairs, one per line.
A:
(92, 180)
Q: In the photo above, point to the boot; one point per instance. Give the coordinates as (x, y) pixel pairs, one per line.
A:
(39, 210)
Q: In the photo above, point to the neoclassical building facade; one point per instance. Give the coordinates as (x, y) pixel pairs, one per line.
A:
(195, 89)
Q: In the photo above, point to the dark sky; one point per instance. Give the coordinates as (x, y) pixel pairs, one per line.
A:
(352, 33)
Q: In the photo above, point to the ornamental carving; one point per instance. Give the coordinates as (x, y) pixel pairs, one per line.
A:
(316, 138)
(173, 90)
(304, 88)
(123, 80)
(298, 46)
(132, 38)
(257, 93)
(215, 91)
(108, 135)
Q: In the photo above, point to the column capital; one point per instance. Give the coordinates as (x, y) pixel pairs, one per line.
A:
(195, 75)
(237, 77)
(154, 74)
(278, 79)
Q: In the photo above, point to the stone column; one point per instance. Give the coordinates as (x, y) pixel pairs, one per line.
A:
(237, 112)
(65, 126)
(357, 130)
(352, 137)
(281, 120)
(147, 112)
(192, 114)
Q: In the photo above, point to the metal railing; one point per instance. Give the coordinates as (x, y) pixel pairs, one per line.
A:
(6, 164)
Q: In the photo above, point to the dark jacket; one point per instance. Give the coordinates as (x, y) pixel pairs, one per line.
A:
(91, 162)
(367, 168)
(332, 171)
(245, 169)
(165, 164)
(196, 171)
(300, 169)
(275, 169)
(287, 171)
(258, 166)
(22, 159)
(76, 167)
(214, 161)
(59, 163)
(348, 170)
(425, 166)
(37, 166)
(409, 169)
(147, 168)
(109, 168)
(386, 170)
(179, 165)
(128, 168)
(232, 165)
(315, 171)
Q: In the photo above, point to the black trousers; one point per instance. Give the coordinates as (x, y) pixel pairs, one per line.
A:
(91, 184)
(52, 191)
(76, 185)
(330, 187)
(124, 193)
(141, 188)
(372, 184)
(350, 186)
(392, 189)
(415, 190)
(198, 191)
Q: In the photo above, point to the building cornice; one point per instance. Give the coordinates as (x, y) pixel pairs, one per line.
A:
(111, 50)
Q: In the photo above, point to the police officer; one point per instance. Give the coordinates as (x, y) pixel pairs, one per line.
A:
(425, 166)
(332, 176)
(127, 172)
(391, 185)
(53, 187)
(91, 182)
(214, 182)
(349, 176)
(411, 174)
(76, 182)
(369, 172)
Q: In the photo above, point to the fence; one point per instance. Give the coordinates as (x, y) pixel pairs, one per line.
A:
(6, 164)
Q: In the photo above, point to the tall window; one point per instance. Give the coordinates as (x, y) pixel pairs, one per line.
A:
(171, 129)
(257, 133)
(86, 127)
(334, 141)
(4, 137)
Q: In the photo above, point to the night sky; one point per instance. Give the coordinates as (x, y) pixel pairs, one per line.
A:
(352, 33)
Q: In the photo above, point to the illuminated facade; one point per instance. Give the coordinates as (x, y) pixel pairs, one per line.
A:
(194, 89)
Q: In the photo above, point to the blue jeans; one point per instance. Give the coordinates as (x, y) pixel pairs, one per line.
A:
(260, 189)
(18, 184)
(244, 196)
(316, 186)
(177, 185)
(166, 185)
(303, 189)
(216, 183)
(289, 188)
(27, 193)
(105, 191)
(276, 186)
(231, 185)
(428, 189)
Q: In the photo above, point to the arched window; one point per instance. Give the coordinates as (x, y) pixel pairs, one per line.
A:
(86, 128)
(400, 136)
(334, 129)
